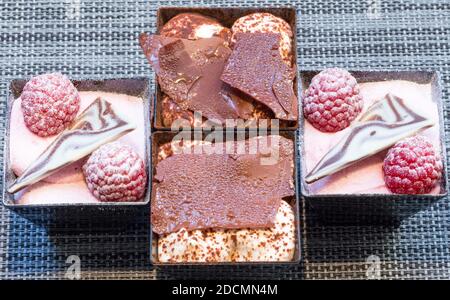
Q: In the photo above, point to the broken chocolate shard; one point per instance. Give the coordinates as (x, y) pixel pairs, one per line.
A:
(98, 124)
(189, 73)
(383, 124)
(223, 191)
(256, 68)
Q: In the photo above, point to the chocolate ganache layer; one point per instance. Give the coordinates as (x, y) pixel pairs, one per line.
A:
(223, 191)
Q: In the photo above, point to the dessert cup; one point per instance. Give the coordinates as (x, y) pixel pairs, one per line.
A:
(226, 16)
(358, 193)
(161, 138)
(133, 88)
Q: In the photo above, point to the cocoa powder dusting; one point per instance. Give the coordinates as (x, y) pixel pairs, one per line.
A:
(222, 191)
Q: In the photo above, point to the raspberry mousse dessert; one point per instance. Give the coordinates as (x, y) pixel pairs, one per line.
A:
(70, 146)
(371, 137)
(194, 58)
(230, 207)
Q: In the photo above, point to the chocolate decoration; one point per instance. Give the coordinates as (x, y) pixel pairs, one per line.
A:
(222, 191)
(383, 124)
(189, 73)
(98, 124)
(256, 68)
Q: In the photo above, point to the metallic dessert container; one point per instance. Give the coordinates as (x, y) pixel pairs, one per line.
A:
(162, 137)
(139, 87)
(374, 208)
(226, 16)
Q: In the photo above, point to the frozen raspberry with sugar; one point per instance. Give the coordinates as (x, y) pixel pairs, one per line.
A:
(115, 172)
(412, 166)
(50, 102)
(332, 100)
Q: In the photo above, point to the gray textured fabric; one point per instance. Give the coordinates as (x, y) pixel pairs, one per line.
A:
(98, 39)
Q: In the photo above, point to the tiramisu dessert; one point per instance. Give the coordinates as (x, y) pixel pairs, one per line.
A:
(68, 146)
(224, 206)
(200, 65)
(378, 137)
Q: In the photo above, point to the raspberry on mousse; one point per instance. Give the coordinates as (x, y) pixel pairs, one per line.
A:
(49, 104)
(115, 172)
(412, 166)
(332, 100)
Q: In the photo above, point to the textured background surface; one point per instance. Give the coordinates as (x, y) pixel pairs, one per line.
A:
(100, 40)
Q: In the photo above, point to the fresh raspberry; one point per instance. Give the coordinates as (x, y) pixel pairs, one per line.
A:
(115, 172)
(412, 166)
(332, 100)
(50, 102)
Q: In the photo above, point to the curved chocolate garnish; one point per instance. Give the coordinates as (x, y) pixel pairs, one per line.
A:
(381, 126)
(98, 124)
(189, 72)
(223, 191)
(256, 68)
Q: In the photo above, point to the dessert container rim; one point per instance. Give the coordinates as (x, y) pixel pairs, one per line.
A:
(144, 94)
(435, 79)
(156, 117)
(293, 135)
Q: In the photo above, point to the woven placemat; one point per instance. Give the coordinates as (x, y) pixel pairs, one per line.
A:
(98, 39)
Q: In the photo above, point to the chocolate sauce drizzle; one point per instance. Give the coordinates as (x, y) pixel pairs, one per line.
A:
(98, 124)
(381, 126)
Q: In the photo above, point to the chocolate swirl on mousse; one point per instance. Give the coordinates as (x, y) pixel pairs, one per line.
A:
(98, 124)
(381, 126)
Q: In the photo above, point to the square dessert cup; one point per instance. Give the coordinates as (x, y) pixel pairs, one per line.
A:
(161, 137)
(138, 87)
(366, 208)
(226, 16)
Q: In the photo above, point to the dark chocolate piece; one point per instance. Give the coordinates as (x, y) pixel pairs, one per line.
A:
(223, 191)
(189, 73)
(256, 68)
(381, 126)
(98, 124)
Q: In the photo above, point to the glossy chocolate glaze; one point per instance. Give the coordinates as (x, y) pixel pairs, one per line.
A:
(256, 68)
(383, 124)
(222, 191)
(98, 124)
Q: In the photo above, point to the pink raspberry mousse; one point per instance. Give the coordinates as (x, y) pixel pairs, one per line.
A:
(366, 176)
(66, 185)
